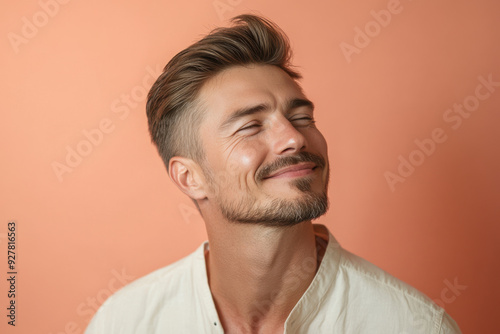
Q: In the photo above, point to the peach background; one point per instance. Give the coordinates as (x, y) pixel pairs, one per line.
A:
(118, 211)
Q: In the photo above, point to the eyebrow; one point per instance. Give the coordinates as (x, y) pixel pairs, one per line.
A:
(246, 111)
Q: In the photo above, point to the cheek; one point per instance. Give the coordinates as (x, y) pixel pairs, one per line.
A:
(244, 160)
(318, 142)
(246, 156)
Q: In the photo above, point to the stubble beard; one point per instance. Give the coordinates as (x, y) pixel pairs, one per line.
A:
(277, 212)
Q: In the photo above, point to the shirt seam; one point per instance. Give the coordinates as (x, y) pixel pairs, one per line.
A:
(439, 324)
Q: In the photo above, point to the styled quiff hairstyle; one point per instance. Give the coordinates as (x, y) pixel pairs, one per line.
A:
(173, 112)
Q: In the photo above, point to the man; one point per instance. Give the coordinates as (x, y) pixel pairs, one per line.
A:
(237, 135)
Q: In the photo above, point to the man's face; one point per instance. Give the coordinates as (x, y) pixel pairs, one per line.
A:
(265, 160)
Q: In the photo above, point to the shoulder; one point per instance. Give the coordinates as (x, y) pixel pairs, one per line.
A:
(379, 295)
(373, 277)
(166, 279)
(165, 290)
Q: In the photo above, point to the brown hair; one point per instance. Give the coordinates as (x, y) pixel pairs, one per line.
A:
(172, 108)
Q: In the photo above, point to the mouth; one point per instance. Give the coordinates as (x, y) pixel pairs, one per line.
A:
(298, 170)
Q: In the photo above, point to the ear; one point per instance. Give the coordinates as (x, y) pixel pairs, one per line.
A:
(187, 175)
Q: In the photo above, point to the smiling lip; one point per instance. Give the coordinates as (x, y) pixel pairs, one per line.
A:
(294, 171)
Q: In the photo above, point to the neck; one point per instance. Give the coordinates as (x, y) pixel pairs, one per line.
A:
(257, 274)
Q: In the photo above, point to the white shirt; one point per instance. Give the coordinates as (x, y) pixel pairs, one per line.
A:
(347, 295)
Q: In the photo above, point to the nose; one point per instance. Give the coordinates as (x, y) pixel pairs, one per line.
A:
(286, 138)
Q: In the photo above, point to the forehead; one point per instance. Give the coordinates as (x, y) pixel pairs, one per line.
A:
(242, 86)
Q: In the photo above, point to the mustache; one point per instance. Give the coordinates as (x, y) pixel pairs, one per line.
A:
(282, 162)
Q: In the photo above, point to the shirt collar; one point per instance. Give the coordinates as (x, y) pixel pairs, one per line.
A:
(307, 304)
(312, 299)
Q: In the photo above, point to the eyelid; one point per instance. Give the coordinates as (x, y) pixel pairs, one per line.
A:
(302, 121)
(249, 125)
(302, 117)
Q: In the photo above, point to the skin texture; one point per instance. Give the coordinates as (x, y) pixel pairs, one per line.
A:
(263, 179)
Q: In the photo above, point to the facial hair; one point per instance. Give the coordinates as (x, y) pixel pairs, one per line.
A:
(278, 211)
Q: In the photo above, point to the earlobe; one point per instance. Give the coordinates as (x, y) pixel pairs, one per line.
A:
(184, 172)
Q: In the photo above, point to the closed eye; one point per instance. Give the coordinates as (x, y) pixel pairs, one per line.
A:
(249, 128)
(303, 121)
